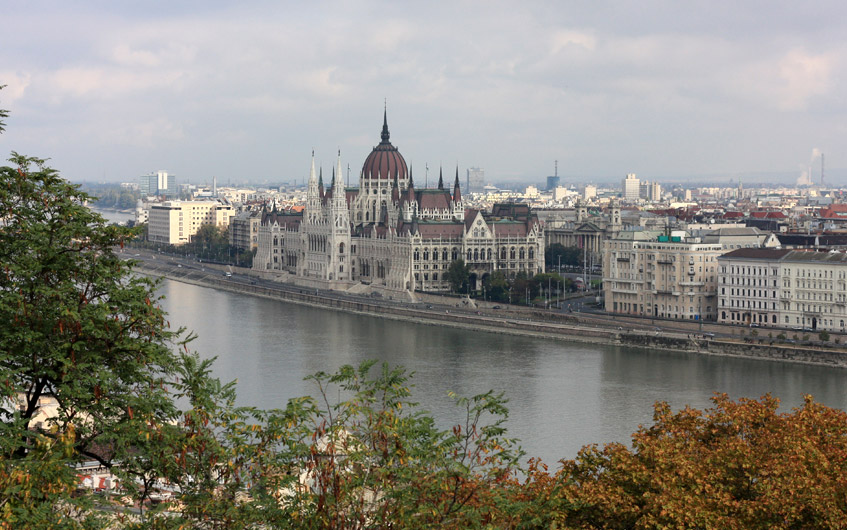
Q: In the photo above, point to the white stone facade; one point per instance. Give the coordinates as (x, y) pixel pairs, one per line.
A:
(388, 233)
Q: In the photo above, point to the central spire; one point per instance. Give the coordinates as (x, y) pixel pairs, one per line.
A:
(385, 134)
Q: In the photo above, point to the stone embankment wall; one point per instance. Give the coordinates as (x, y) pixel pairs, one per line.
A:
(774, 352)
(526, 322)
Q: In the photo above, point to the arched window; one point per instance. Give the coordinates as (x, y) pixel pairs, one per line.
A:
(341, 248)
(426, 254)
(503, 253)
(455, 254)
(417, 255)
(489, 254)
(444, 255)
(470, 254)
(531, 253)
(523, 253)
(512, 253)
(476, 254)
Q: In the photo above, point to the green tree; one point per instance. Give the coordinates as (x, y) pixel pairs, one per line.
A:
(458, 274)
(3, 114)
(76, 327)
(497, 287)
(557, 254)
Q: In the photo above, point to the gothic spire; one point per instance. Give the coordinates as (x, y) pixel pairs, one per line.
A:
(385, 133)
(457, 191)
(321, 183)
(440, 180)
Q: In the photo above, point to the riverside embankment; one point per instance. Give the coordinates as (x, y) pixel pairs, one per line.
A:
(508, 319)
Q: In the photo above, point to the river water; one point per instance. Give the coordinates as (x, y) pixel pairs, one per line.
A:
(562, 395)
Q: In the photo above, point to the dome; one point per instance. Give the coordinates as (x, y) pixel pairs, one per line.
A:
(385, 161)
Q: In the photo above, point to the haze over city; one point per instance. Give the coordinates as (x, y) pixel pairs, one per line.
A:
(703, 91)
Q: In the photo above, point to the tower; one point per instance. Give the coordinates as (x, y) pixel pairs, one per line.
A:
(383, 166)
(339, 235)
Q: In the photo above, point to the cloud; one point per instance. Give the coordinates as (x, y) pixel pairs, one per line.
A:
(16, 85)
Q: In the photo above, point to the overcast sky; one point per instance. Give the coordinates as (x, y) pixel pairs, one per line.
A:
(667, 90)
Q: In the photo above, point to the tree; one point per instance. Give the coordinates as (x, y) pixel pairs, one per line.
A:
(557, 254)
(497, 286)
(379, 462)
(76, 327)
(3, 114)
(737, 465)
(458, 274)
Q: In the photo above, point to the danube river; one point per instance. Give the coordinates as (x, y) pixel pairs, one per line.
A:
(561, 395)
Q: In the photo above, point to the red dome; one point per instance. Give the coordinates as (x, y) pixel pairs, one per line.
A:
(385, 161)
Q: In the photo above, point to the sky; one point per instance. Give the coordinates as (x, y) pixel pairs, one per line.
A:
(697, 91)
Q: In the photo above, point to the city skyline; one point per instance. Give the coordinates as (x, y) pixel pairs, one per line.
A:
(669, 92)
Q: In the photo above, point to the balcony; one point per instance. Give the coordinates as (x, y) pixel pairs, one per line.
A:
(664, 261)
(623, 258)
(693, 283)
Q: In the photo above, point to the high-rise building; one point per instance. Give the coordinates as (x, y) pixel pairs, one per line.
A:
(631, 187)
(475, 180)
(553, 182)
(158, 183)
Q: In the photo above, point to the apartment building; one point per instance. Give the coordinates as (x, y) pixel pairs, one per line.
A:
(749, 286)
(784, 288)
(244, 230)
(175, 222)
(662, 275)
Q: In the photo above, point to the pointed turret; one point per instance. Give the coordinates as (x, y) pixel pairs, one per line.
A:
(312, 171)
(338, 190)
(313, 195)
(385, 134)
(440, 180)
(457, 191)
(321, 183)
(411, 180)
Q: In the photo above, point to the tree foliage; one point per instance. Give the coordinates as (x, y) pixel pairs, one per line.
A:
(557, 254)
(740, 464)
(458, 275)
(75, 327)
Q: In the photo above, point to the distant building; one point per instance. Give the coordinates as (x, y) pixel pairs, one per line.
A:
(158, 183)
(631, 187)
(650, 191)
(244, 230)
(176, 222)
(475, 180)
(589, 192)
(587, 231)
(553, 183)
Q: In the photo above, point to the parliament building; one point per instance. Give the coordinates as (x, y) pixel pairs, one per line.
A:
(388, 233)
